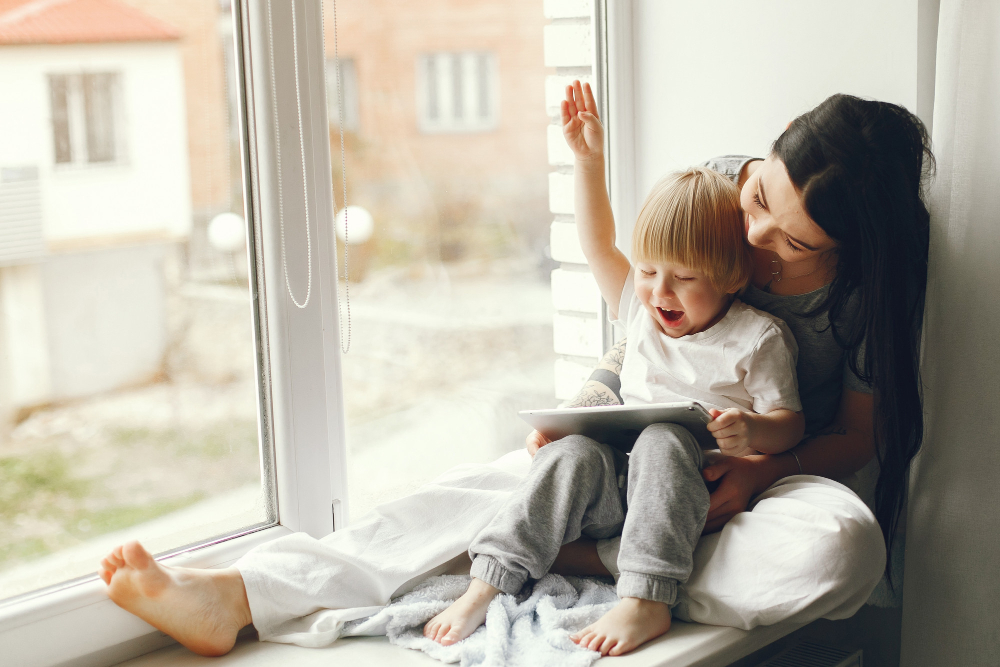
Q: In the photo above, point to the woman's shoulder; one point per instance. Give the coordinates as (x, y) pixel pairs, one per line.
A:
(728, 165)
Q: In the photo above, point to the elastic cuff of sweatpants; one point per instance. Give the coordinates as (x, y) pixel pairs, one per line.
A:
(647, 587)
(489, 570)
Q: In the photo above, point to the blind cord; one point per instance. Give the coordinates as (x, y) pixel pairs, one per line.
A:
(345, 344)
(277, 150)
(343, 179)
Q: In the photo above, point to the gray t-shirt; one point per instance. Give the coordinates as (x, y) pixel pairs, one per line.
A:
(822, 366)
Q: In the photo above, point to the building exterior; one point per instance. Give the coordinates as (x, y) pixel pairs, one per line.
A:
(95, 195)
(445, 112)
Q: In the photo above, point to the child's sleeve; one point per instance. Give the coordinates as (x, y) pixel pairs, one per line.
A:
(770, 377)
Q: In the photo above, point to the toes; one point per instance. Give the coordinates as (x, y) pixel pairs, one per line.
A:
(595, 643)
(608, 645)
(135, 554)
(619, 649)
(450, 638)
(430, 629)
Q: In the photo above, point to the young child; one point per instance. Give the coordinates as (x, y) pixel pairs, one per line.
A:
(689, 338)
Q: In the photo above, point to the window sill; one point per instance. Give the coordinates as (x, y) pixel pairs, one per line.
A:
(86, 623)
(687, 645)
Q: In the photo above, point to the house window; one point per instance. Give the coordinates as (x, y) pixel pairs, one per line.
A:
(348, 88)
(85, 117)
(457, 92)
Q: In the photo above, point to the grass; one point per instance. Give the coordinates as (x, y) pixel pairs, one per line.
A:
(61, 493)
(26, 481)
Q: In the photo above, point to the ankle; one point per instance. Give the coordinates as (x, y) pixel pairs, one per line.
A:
(480, 589)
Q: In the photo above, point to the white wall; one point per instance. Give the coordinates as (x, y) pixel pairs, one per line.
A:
(717, 76)
(148, 191)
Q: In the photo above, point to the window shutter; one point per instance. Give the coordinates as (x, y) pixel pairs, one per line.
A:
(21, 238)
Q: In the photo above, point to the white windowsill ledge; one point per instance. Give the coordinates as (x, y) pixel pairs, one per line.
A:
(79, 625)
(686, 645)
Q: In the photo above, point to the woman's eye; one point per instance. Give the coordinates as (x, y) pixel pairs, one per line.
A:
(792, 246)
(756, 200)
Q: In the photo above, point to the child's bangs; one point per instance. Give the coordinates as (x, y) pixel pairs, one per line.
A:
(693, 219)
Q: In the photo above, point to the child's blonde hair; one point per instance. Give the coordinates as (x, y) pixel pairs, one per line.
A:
(693, 218)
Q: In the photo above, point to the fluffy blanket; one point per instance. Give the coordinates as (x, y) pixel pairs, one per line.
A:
(528, 630)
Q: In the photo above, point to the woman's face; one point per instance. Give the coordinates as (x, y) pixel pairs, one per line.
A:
(776, 220)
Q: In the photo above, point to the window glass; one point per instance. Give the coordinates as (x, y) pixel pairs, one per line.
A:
(456, 92)
(128, 394)
(450, 304)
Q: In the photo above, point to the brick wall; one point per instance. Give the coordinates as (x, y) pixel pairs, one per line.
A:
(212, 180)
(577, 326)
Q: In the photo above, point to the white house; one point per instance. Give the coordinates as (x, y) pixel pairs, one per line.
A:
(94, 196)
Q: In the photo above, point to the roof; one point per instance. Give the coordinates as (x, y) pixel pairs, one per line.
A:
(78, 22)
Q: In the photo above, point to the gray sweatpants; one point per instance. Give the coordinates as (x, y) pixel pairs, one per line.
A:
(655, 499)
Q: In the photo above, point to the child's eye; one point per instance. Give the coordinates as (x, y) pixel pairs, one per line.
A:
(647, 273)
(684, 278)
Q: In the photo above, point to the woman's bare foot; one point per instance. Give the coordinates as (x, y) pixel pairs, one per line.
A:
(632, 623)
(463, 616)
(202, 609)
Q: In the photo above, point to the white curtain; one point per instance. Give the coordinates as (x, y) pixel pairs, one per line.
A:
(951, 594)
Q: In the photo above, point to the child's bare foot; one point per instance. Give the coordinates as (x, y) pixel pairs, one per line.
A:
(632, 623)
(463, 616)
(202, 609)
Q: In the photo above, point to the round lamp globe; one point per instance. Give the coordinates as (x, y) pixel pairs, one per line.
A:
(355, 225)
(227, 232)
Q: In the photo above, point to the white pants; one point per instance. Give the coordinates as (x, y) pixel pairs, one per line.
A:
(809, 548)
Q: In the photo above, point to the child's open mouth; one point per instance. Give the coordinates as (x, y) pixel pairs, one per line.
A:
(672, 317)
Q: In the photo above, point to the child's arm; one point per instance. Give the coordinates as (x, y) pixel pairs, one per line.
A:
(594, 221)
(737, 431)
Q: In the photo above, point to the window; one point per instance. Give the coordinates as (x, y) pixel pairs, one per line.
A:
(348, 89)
(85, 117)
(457, 92)
(150, 365)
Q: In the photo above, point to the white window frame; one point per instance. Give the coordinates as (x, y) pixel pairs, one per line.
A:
(300, 408)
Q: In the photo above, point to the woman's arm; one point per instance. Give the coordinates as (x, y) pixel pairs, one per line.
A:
(844, 447)
(595, 222)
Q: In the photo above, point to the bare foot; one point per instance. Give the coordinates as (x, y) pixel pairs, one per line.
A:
(632, 623)
(463, 616)
(202, 609)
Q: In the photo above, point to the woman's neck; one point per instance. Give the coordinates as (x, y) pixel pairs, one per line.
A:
(787, 279)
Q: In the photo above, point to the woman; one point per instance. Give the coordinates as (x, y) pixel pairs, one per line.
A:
(840, 230)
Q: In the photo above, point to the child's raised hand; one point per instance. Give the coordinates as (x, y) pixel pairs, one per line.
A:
(535, 441)
(581, 126)
(731, 430)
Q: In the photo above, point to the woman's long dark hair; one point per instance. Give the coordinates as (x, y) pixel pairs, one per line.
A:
(860, 167)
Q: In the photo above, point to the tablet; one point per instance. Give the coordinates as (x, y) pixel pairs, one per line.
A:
(620, 425)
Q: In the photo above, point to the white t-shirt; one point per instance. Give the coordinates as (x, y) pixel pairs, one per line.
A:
(746, 360)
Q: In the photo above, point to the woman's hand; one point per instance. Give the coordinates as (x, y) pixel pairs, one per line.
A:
(534, 442)
(581, 126)
(738, 482)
